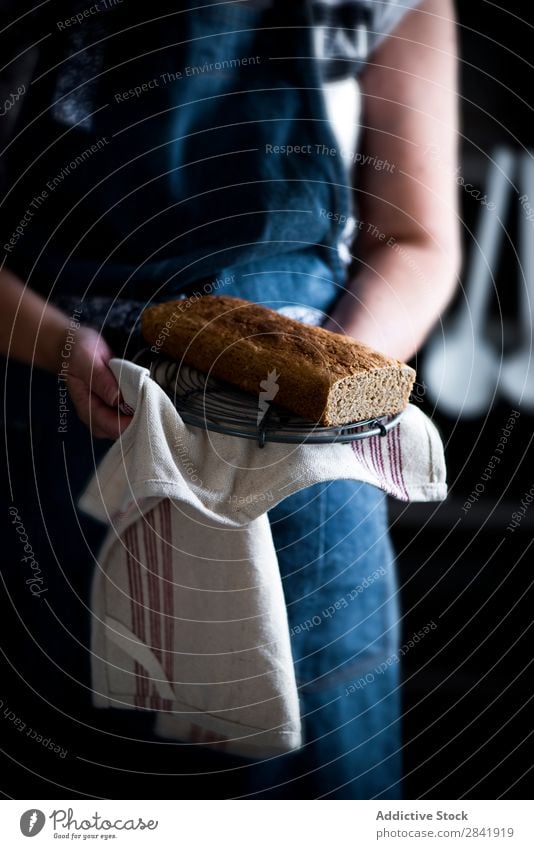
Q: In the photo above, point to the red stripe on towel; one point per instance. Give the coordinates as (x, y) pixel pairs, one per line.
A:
(139, 601)
(386, 472)
(401, 469)
(384, 469)
(152, 574)
(168, 586)
(359, 450)
(373, 448)
(393, 462)
(133, 606)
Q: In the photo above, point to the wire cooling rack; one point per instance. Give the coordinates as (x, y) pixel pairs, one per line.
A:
(211, 404)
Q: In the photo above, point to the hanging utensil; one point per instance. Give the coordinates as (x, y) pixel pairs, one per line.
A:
(517, 374)
(461, 368)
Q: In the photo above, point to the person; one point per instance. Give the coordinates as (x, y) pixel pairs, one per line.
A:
(151, 152)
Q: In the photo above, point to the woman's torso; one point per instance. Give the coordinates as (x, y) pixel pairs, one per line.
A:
(177, 151)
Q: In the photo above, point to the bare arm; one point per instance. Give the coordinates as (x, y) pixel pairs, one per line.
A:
(408, 235)
(21, 313)
(35, 333)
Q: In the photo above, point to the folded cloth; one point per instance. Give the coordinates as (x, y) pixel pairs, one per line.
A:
(189, 618)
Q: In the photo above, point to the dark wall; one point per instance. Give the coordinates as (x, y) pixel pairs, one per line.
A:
(467, 689)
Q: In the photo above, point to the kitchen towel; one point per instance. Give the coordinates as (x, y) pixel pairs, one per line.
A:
(189, 618)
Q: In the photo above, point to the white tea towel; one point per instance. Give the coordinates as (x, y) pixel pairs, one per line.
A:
(189, 617)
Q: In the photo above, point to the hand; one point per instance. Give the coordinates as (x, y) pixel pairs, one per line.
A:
(92, 386)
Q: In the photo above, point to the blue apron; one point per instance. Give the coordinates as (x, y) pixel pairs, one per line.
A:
(223, 169)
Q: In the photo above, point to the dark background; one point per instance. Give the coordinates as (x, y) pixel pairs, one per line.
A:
(468, 686)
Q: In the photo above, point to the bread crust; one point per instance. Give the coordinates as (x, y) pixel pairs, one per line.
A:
(322, 376)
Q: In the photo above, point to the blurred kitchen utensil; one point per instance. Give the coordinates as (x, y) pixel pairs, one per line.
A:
(461, 368)
(517, 374)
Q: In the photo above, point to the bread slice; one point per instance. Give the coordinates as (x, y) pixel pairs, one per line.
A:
(322, 376)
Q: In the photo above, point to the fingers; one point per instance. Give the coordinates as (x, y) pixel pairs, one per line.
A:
(93, 387)
(104, 385)
(104, 421)
(91, 366)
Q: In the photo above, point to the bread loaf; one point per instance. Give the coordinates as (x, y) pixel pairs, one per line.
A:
(322, 376)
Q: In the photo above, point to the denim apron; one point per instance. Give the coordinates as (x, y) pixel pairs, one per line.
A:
(219, 198)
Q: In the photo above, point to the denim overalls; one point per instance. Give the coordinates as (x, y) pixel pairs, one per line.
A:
(214, 160)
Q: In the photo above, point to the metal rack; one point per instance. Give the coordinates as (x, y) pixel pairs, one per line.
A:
(211, 404)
